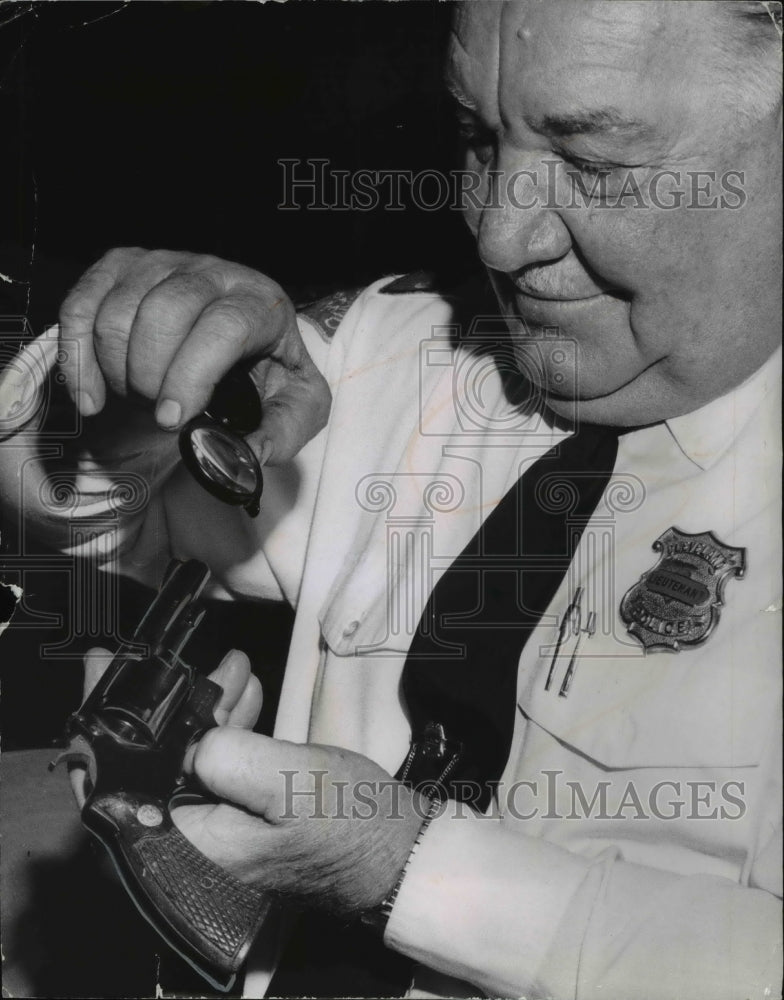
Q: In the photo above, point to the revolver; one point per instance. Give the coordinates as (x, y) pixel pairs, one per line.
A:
(131, 734)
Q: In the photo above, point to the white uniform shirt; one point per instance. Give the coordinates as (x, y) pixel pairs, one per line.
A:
(579, 884)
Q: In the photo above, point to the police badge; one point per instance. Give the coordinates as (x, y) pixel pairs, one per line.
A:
(677, 603)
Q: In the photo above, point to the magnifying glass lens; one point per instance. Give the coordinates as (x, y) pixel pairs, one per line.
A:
(226, 460)
(223, 463)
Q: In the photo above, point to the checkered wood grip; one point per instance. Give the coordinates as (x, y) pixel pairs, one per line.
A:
(200, 909)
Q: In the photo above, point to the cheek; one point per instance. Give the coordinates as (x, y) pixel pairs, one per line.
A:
(613, 243)
(669, 265)
(471, 217)
(642, 253)
(475, 191)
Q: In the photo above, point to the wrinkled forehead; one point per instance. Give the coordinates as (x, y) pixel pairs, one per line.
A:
(480, 26)
(563, 49)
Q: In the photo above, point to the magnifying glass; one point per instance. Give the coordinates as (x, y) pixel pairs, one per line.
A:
(214, 449)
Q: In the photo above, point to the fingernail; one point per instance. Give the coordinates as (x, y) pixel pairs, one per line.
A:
(266, 451)
(229, 658)
(85, 403)
(187, 761)
(168, 413)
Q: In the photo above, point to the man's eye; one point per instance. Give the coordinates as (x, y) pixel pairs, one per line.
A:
(479, 139)
(593, 168)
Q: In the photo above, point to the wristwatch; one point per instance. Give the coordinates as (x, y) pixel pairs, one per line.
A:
(377, 918)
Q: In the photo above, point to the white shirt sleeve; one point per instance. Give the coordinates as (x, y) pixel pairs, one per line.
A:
(520, 917)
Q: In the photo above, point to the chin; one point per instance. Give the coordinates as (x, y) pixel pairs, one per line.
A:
(645, 400)
(589, 411)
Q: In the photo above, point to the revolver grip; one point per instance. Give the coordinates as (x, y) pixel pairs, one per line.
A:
(201, 910)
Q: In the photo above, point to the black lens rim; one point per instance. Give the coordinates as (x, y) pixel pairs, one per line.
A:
(251, 502)
(235, 402)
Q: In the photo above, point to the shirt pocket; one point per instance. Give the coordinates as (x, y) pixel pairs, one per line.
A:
(706, 706)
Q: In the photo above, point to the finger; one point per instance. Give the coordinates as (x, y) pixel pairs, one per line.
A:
(96, 660)
(240, 767)
(232, 674)
(292, 414)
(163, 320)
(117, 314)
(77, 775)
(245, 713)
(83, 377)
(246, 322)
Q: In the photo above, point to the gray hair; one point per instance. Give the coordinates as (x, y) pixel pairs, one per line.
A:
(752, 51)
(759, 15)
(773, 9)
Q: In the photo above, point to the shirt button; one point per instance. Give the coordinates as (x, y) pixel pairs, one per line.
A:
(350, 629)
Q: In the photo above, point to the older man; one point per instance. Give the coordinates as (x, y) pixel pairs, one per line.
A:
(624, 713)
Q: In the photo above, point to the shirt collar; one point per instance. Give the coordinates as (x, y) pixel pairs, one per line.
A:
(705, 434)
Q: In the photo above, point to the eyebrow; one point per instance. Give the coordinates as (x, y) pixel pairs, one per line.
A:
(602, 121)
(454, 90)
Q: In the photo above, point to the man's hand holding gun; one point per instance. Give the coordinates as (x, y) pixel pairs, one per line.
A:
(206, 821)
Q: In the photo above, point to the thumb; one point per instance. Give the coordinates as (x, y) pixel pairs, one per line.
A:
(242, 767)
(96, 660)
(296, 401)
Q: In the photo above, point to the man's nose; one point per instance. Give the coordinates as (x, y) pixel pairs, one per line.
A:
(519, 224)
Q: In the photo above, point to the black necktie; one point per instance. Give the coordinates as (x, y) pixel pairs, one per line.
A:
(460, 680)
(486, 605)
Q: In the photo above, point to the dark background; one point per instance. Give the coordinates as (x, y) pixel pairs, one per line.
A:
(159, 125)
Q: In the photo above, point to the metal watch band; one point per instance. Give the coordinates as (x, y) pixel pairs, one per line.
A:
(378, 917)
